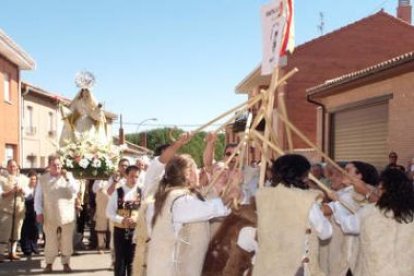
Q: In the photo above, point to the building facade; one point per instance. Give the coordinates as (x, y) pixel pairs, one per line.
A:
(368, 113)
(13, 59)
(345, 50)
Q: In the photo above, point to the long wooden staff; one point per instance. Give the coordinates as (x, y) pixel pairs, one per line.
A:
(232, 182)
(282, 107)
(328, 191)
(315, 147)
(274, 84)
(269, 109)
(13, 221)
(220, 172)
(241, 107)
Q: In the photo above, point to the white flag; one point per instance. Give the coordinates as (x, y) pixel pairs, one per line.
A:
(277, 32)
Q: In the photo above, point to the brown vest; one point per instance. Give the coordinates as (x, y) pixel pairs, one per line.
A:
(127, 209)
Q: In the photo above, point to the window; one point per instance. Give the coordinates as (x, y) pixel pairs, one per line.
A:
(42, 161)
(30, 130)
(51, 125)
(32, 160)
(6, 87)
(9, 152)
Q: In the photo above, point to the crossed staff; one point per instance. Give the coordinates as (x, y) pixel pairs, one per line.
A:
(268, 140)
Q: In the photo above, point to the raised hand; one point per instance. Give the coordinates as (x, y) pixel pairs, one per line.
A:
(211, 137)
(184, 138)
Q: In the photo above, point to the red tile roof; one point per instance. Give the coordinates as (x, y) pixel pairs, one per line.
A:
(383, 66)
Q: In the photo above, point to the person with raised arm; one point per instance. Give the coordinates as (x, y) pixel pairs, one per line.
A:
(180, 234)
(385, 227)
(54, 203)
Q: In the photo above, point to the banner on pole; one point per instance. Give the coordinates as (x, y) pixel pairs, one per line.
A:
(277, 32)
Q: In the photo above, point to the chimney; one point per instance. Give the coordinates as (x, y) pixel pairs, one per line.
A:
(121, 132)
(404, 10)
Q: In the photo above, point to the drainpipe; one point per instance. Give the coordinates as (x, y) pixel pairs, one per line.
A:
(323, 119)
(21, 119)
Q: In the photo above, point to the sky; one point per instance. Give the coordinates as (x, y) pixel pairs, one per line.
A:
(176, 61)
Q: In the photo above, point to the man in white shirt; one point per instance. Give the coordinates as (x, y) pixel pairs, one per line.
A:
(55, 208)
(114, 183)
(122, 210)
(120, 174)
(142, 162)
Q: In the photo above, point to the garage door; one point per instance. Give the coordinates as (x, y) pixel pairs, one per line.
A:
(361, 134)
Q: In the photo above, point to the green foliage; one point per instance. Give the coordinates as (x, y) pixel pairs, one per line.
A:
(195, 147)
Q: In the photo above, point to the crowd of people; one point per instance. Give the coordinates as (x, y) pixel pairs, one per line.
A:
(166, 216)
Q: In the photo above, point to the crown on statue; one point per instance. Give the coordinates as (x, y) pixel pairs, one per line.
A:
(85, 80)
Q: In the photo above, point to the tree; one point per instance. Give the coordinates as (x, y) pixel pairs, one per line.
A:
(195, 147)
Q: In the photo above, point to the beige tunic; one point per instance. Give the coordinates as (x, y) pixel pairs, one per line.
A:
(335, 250)
(58, 201)
(283, 220)
(386, 246)
(101, 220)
(181, 255)
(10, 208)
(339, 252)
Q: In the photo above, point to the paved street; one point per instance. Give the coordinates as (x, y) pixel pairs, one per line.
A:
(87, 263)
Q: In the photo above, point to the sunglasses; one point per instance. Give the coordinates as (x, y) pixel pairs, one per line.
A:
(230, 153)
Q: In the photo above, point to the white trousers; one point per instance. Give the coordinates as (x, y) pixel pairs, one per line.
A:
(58, 238)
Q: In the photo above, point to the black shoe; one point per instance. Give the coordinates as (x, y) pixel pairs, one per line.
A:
(35, 249)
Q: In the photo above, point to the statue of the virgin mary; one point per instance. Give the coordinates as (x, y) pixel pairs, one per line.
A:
(84, 118)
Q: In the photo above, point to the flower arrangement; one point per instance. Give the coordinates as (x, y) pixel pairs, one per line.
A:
(87, 159)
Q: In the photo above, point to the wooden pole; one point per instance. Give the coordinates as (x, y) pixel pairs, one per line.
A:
(311, 176)
(269, 109)
(286, 77)
(253, 126)
(232, 182)
(272, 133)
(316, 148)
(242, 106)
(220, 172)
(282, 108)
(232, 118)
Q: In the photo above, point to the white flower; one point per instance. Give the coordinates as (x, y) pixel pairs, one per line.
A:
(84, 163)
(96, 163)
(69, 163)
(88, 156)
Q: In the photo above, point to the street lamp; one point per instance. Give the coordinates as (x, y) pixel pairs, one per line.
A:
(145, 134)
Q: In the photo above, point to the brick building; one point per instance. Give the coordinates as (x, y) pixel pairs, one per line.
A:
(369, 113)
(356, 46)
(12, 59)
